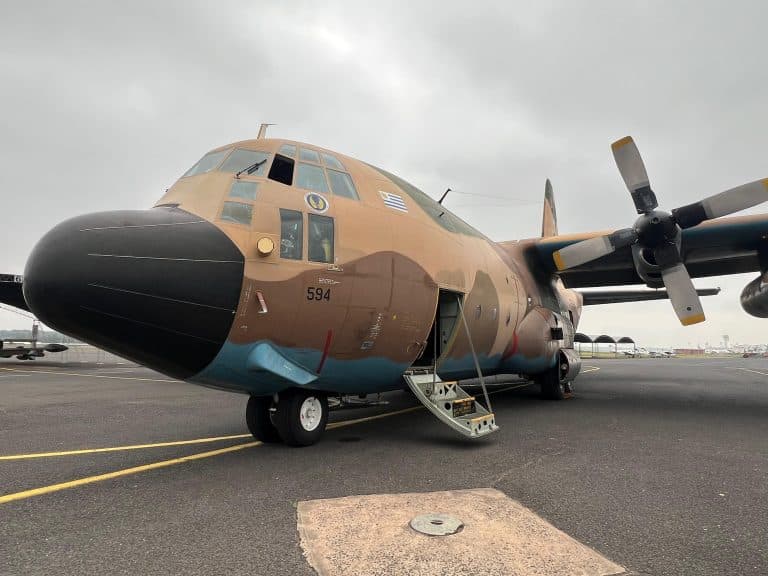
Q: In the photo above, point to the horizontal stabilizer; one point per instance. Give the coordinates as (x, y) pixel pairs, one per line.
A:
(594, 297)
(10, 291)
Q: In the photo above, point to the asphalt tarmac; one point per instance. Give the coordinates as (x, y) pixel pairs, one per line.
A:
(661, 465)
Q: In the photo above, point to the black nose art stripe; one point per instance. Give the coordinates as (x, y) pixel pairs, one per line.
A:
(157, 286)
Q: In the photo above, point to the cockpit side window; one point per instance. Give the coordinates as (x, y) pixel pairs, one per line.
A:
(332, 162)
(309, 155)
(291, 234)
(311, 177)
(320, 238)
(252, 160)
(341, 184)
(282, 170)
(243, 189)
(237, 212)
(207, 163)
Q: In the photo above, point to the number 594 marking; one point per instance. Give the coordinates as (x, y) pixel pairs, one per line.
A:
(318, 293)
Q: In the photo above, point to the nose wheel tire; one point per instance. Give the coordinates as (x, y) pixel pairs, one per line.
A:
(301, 416)
(258, 419)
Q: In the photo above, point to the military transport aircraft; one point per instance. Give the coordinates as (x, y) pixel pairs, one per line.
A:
(293, 273)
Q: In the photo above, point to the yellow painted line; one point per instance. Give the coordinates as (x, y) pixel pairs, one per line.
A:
(172, 462)
(118, 473)
(748, 370)
(80, 375)
(344, 423)
(121, 448)
(588, 369)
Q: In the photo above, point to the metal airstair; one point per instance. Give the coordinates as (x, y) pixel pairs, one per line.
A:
(452, 405)
(450, 402)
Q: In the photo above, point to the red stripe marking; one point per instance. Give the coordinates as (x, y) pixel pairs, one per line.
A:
(512, 348)
(328, 338)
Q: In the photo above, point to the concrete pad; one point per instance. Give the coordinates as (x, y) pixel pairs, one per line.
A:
(370, 535)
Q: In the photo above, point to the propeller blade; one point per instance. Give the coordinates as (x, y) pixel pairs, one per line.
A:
(592, 249)
(683, 295)
(722, 204)
(632, 169)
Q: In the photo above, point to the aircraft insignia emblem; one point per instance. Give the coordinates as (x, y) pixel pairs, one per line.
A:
(317, 202)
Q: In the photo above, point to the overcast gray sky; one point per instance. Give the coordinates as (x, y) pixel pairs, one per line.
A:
(103, 106)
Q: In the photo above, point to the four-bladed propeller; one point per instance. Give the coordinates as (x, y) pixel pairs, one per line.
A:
(658, 233)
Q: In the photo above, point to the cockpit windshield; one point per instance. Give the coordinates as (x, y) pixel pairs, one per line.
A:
(207, 163)
(241, 159)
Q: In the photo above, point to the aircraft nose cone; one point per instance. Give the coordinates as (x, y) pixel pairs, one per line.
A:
(159, 286)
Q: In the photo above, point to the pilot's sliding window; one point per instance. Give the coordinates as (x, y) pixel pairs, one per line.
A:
(320, 238)
(291, 234)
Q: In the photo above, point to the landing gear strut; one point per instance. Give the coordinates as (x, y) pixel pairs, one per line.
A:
(298, 418)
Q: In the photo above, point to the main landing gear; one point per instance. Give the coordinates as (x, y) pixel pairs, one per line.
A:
(298, 418)
(553, 387)
(556, 382)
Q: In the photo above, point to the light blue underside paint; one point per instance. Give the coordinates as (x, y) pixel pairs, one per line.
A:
(262, 368)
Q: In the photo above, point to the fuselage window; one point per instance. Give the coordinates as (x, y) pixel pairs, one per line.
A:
(282, 170)
(288, 150)
(237, 212)
(332, 161)
(311, 177)
(291, 234)
(320, 238)
(207, 163)
(308, 155)
(253, 161)
(341, 184)
(243, 189)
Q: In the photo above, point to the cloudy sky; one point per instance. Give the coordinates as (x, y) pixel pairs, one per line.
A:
(103, 106)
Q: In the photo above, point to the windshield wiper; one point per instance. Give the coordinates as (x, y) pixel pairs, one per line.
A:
(252, 168)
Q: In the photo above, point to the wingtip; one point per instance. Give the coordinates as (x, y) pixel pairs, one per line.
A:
(765, 182)
(695, 319)
(621, 143)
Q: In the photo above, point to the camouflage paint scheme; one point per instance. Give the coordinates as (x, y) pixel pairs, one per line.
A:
(384, 284)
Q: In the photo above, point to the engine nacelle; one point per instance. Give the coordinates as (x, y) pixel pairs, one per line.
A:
(754, 297)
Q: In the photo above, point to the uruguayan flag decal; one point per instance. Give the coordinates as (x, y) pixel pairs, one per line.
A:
(394, 201)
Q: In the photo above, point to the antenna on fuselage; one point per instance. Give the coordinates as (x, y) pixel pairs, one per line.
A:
(441, 201)
(263, 131)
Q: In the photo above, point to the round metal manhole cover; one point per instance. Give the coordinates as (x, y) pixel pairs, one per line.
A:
(437, 524)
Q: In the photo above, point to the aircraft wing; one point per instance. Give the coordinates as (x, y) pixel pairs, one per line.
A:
(714, 248)
(595, 297)
(10, 291)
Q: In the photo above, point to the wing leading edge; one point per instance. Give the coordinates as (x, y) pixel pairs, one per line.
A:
(595, 297)
(11, 292)
(715, 248)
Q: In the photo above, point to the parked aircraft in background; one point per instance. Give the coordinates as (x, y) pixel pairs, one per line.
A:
(290, 273)
(28, 349)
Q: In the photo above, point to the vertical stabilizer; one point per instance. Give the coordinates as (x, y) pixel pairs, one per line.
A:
(549, 218)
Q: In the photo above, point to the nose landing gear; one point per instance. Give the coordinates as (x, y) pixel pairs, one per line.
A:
(298, 418)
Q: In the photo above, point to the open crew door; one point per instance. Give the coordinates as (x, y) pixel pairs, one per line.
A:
(450, 403)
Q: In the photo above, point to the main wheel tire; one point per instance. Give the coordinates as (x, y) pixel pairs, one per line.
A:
(258, 420)
(301, 416)
(552, 387)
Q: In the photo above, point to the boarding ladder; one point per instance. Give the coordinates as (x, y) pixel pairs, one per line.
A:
(450, 402)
